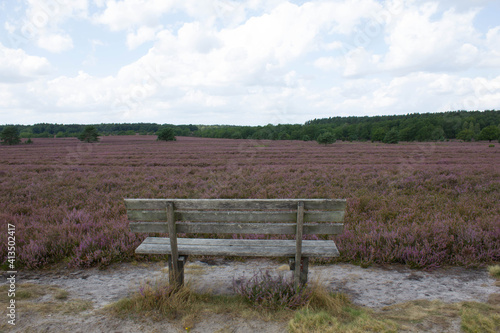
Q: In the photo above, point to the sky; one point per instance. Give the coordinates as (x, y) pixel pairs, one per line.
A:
(246, 62)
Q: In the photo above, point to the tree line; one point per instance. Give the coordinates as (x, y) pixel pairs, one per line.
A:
(462, 125)
(45, 130)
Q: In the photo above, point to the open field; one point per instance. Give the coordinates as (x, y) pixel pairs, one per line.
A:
(423, 205)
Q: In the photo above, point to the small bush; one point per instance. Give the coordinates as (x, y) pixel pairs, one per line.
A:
(272, 292)
(491, 146)
(326, 138)
(166, 134)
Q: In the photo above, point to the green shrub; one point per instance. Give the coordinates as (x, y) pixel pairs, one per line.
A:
(166, 134)
(326, 138)
(89, 134)
(10, 136)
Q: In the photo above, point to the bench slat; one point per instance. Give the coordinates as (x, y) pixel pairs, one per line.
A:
(235, 216)
(239, 228)
(239, 247)
(243, 204)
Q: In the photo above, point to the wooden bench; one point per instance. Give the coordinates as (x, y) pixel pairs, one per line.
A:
(297, 217)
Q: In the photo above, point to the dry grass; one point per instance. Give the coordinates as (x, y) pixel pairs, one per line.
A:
(45, 299)
(29, 291)
(32, 298)
(158, 300)
(422, 315)
(331, 313)
(194, 269)
(56, 307)
(480, 318)
(325, 312)
(494, 271)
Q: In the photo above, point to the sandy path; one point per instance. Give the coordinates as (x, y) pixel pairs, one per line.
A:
(373, 287)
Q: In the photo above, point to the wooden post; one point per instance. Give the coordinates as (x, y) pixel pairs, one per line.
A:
(303, 267)
(174, 256)
(298, 243)
(181, 262)
(304, 270)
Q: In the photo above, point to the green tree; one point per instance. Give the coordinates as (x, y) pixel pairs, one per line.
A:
(89, 134)
(10, 136)
(489, 133)
(166, 134)
(378, 134)
(392, 136)
(326, 138)
(437, 134)
(465, 135)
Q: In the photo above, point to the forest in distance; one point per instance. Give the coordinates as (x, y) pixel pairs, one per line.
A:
(461, 125)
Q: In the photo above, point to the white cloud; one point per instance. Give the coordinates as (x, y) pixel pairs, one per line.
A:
(420, 40)
(55, 43)
(17, 66)
(198, 98)
(127, 14)
(142, 35)
(491, 57)
(326, 63)
(42, 23)
(82, 90)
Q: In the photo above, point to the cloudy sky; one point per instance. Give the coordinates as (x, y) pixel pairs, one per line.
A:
(245, 62)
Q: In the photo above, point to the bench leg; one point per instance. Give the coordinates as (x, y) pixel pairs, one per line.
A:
(177, 280)
(304, 268)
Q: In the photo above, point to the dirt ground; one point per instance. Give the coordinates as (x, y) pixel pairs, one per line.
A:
(375, 287)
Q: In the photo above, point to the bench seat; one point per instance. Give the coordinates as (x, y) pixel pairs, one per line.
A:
(238, 247)
(195, 219)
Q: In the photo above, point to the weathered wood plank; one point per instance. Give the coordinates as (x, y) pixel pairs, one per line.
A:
(243, 204)
(235, 242)
(239, 228)
(240, 247)
(235, 216)
(298, 240)
(174, 277)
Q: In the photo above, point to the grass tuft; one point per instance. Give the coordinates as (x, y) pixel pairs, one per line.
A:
(362, 320)
(480, 318)
(322, 299)
(158, 298)
(494, 271)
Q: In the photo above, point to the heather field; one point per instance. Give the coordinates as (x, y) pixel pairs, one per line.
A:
(420, 204)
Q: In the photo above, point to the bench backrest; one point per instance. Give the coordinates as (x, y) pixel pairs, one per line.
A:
(237, 216)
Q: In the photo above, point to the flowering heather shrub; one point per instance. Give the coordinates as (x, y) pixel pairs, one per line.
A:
(422, 205)
(272, 292)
